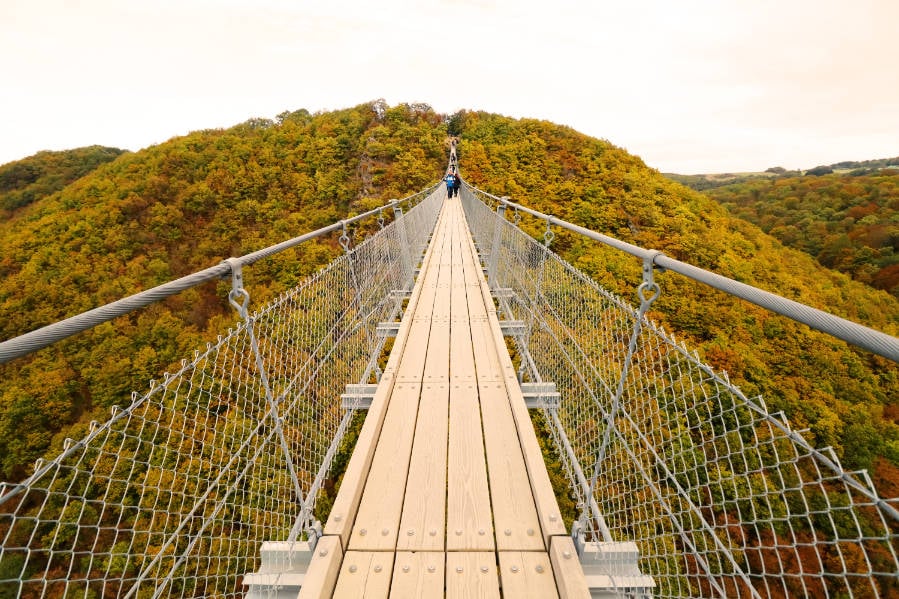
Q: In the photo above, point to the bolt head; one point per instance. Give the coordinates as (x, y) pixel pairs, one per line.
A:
(353, 568)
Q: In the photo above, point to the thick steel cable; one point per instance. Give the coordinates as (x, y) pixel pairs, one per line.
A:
(867, 338)
(50, 334)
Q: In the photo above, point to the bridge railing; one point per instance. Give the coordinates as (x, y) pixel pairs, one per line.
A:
(175, 493)
(721, 497)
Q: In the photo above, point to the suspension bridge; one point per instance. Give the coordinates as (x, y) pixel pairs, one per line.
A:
(209, 483)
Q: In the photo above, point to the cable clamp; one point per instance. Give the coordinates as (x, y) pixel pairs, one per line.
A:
(344, 239)
(649, 290)
(548, 236)
(238, 297)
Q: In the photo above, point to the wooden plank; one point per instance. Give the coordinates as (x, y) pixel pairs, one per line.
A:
(423, 522)
(514, 514)
(486, 356)
(321, 576)
(567, 569)
(469, 523)
(526, 574)
(364, 574)
(377, 520)
(472, 575)
(417, 575)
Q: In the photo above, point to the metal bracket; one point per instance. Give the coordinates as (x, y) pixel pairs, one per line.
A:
(513, 328)
(358, 397)
(387, 329)
(541, 395)
(238, 297)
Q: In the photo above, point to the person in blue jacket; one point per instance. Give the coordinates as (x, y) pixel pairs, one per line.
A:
(450, 180)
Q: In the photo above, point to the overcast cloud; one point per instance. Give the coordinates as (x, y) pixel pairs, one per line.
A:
(690, 86)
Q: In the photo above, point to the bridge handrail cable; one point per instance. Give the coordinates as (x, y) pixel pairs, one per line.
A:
(50, 334)
(870, 339)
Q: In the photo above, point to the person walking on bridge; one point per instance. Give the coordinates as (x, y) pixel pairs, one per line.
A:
(450, 180)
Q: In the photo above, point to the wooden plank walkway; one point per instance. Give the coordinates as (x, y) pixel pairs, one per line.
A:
(446, 494)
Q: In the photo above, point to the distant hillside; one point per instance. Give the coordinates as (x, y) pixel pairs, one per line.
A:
(850, 167)
(30, 179)
(847, 222)
(845, 396)
(175, 208)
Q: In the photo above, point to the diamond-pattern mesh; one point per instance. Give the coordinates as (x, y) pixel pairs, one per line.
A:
(173, 496)
(722, 498)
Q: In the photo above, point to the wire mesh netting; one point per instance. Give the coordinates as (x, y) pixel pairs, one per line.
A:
(174, 495)
(722, 498)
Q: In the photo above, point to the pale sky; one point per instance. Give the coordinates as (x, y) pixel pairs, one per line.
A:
(690, 86)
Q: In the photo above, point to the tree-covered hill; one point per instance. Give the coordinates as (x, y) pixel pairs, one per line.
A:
(849, 223)
(172, 209)
(25, 181)
(847, 397)
(181, 206)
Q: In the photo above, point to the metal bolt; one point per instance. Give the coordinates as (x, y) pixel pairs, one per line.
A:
(459, 569)
(338, 518)
(539, 569)
(405, 568)
(411, 532)
(378, 568)
(323, 553)
(481, 532)
(514, 569)
(431, 568)
(553, 518)
(384, 532)
(363, 532)
(530, 532)
(566, 554)
(484, 569)
(458, 532)
(352, 568)
(508, 532)
(433, 533)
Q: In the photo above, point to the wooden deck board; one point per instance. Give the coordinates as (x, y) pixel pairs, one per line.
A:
(417, 575)
(423, 523)
(365, 574)
(527, 574)
(472, 576)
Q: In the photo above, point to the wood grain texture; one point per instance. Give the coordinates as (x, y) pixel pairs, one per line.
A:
(514, 514)
(321, 577)
(418, 575)
(365, 574)
(567, 569)
(526, 575)
(423, 522)
(378, 518)
(472, 575)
